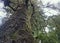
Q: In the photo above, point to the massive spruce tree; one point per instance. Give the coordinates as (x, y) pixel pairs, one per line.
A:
(18, 28)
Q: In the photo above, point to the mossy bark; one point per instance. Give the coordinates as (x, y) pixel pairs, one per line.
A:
(18, 28)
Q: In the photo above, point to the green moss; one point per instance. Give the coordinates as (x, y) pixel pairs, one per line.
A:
(14, 35)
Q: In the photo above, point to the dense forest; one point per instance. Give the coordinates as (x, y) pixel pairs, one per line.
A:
(26, 22)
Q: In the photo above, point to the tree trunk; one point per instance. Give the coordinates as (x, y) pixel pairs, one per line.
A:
(17, 28)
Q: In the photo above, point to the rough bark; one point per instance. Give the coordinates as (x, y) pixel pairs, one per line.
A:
(16, 30)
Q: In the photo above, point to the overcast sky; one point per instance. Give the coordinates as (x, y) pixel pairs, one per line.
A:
(2, 12)
(49, 11)
(51, 1)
